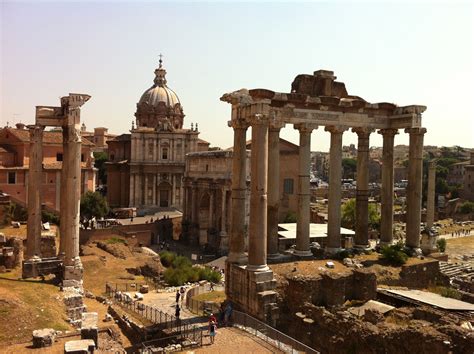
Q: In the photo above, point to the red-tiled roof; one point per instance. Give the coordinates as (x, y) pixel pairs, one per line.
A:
(49, 137)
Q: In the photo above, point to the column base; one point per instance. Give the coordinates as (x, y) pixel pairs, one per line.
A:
(72, 276)
(332, 250)
(257, 268)
(303, 254)
(386, 243)
(413, 251)
(237, 258)
(273, 256)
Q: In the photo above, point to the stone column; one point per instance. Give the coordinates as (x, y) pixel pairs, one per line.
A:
(239, 188)
(63, 240)
(131, 200)
(333, 244)
(430, 195)
(72, 136)
(35, 179)
(195, 204)
(138, 185)
(154, 189)
(386, 195)
(303, 214)
(258, 195)
(145, 192)
(362, 192)
(415, 175)
(224, 243)
(273, 187)
(212, 206)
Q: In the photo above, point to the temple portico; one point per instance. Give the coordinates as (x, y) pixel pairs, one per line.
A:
(315, 100)
(67, 117)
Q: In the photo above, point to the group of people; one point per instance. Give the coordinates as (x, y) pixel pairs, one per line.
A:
(179, 296)
(462, 232)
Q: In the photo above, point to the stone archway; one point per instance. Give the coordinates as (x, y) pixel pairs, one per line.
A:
(204, 218)
(164, 194)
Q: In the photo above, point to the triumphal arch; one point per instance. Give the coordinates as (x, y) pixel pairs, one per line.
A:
(67, 117)
(314, 101)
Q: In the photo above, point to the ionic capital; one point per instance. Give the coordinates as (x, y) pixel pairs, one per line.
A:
(305, 127)
(275, 125)
(362, 132)
(415, 131)
(36, 133)
(258, 119)
(388, 132)
(238, 124)
(335, 129)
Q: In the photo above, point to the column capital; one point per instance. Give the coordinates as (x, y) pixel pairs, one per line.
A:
(415, 131)
(388, 131)
(71, 134)
(305, 127)
(335, 129)
(238, 124)
(362, 132)
(36, 132)
(275, 125)
(258, 119)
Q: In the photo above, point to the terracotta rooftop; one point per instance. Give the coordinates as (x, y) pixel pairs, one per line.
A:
(49, 137)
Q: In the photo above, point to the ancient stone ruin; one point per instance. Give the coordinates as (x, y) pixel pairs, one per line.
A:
(315, 100)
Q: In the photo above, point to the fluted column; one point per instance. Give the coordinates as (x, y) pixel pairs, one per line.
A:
(273, 187)
(35, 178)
(72, 135)
(258, 195)
(303, 214)
(430, 195)
(334, 203)
(362, 192)
(415, 175)
(239, 188)
(386, 195)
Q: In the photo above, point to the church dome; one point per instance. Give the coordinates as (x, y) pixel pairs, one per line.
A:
(159, 92)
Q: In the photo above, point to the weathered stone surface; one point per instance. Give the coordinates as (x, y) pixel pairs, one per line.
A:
(83, 346)
(43, 337)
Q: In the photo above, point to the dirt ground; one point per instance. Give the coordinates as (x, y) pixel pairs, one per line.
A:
(460, 246)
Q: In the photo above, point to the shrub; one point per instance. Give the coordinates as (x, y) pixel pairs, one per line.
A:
(290, 218)
(167, 258)
(52, 218)
(441, 243)
(181, 262)
(394, 254)
(467, 207)
(209, 275)
(175, 277)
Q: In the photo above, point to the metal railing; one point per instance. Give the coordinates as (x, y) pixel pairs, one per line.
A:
(269, 334)
(192, 339)
(200, 307)
(160, 319)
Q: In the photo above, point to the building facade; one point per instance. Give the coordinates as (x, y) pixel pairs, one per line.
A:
(208, 187)
(146, 167)
(14, 165)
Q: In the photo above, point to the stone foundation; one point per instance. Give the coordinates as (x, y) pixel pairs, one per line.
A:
(43, 337)
(89, 329)
(252, 292)
(73, 299)
(73, 274)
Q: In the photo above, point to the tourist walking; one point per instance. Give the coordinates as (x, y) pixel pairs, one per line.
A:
(212, 331)
(177, 312)
(182, 291)
(211, 287)
(177, 296)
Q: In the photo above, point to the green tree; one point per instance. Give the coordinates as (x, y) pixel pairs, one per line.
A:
(349, 168)
(93, 204)
(348, 211)
(100, 159)
(467, 207)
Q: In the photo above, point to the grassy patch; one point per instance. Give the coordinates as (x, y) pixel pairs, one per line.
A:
(115, 240)
(28, 305)
(446, 292)
(215, 296)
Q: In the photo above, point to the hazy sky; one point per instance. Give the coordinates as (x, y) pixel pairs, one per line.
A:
(402, 53)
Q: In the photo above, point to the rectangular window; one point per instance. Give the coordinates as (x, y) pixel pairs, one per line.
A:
(288, 186)
(11, 177)
(59, 156)
(150, 149)
(82, 157)
(164, 154)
